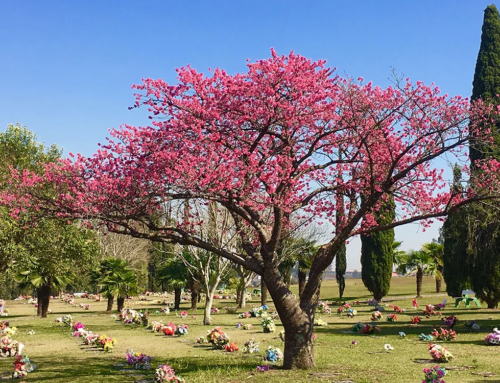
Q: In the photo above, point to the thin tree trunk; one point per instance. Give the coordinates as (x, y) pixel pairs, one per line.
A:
(302, 275)
(111, 301)
(263, 293)
(242, 301)
(238, 295)
(177, 298)
(207, 312)
(195, 293)
(120, 302)
(39, 301)
(438, 284)
(420, 275)
(45, 297)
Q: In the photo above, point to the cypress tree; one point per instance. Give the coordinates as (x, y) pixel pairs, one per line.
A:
(486, 83)
(484, 227)
(377, 254)
(340, 269)
(456, 266)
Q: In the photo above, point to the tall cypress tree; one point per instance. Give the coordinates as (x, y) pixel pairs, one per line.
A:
(484, 223)
(456, 263)
(340, 268)
(377, 254)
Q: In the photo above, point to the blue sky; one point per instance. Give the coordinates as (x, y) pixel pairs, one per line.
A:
(67, 66)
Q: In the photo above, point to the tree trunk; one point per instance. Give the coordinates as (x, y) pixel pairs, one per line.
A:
(207, 312)
(242, 301)
(438, 284)
(195, 293)
(420, 275)
(302, 275)
(177, 298)
(263, 293)
(238, 296)
(39, 302)
(45, 299)
(297, 322)
(492, 304)
(378, 297)
(111, 301)
(120, 302)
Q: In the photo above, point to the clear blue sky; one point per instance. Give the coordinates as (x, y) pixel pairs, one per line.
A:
(66, 67)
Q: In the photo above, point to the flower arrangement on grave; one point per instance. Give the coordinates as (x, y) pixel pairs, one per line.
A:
(232, 347)
(472, 325)
(244, 315)
(215, 310)
(369, 329)
(251, 347)
(273, 354)
(434, 375)
(444, 334)
(426, 338)
(166, 373)
(267, 324)
(451, 321)
(182, 329)
(493, 338)
(320, 322)
(358, 326)
(392, 318)
(440, 353)
(376, 315)
(22, 366)
(258, 311)
(323, 308)
(398, 309)
(217, 338)
(352, 313)
(247, 326)
(169, 329)
(416, 320)
(140, 361)
(344, 308)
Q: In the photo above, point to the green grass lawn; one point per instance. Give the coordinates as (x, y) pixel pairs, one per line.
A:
(62, 358)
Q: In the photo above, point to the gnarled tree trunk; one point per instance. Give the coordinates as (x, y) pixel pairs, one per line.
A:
(297, 319)
(492, 304)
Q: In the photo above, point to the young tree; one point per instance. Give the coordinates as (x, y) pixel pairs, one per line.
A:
(264, 144)
(116, 279)
(174, 273)
(377, 256)
(435, 251)
(418, 262)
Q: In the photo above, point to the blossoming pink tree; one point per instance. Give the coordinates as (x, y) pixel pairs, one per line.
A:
(264, 145)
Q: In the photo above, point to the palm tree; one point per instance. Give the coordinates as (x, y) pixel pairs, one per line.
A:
(43, 283)
(436, 251)
(175, 275)
(116, 279)
(415, 261)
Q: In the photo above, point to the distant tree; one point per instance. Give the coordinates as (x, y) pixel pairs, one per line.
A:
(116, 279)
(377, 256)
(456, 260)
(435, 251)
(175, 275)
(415, 261)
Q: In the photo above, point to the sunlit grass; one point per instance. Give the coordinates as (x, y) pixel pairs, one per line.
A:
(62, 358)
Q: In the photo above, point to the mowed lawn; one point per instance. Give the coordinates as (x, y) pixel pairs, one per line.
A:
(63, 358)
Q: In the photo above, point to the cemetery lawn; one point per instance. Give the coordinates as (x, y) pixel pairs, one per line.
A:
(62, 358)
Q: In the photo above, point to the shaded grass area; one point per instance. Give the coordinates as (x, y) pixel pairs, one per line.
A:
(62, 358)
